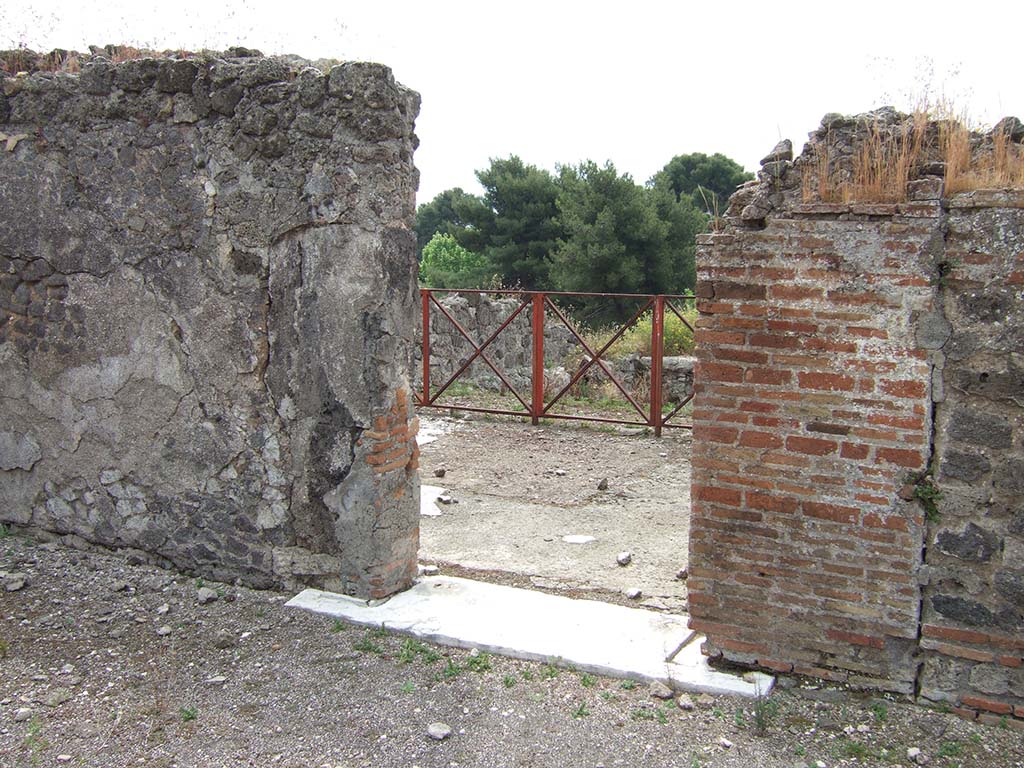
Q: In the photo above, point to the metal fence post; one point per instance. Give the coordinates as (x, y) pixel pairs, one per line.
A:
(425, 296)
(537, 374)
(657, 351)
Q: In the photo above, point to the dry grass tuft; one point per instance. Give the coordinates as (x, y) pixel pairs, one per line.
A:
(885, 158)
(975, 163)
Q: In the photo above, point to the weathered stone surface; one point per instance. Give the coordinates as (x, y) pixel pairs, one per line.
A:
(976, 427)
(974, 544)
(969, 467)
(18, 451)
(209, 317)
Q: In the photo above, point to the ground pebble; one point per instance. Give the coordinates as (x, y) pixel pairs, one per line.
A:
(63, 758)
(163, 609)
(57, 697)
(15, 581)
(603, 485)
(682, 573)
(164, 630)
(724, 743)
(440, 472)
(685, 703)
(661, 691)
(624, 558)
(635, 593)
(224, 640)
(205, 595)
(22, 715)
(439, 731)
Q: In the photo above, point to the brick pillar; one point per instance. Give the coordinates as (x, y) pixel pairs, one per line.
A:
(812, 415)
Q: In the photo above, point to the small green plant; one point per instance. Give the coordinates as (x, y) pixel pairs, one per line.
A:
(5, 648)
(718, 713)
(480, 663)
(188, 714)
(627, 685)
(926, 492)
(200, 583)
(880, 710)
(765, 711)
(338, 626)
(950, 749)
(407, 687)
(4, 531)
(642, 714)
(508, 681)
(527, 675)
(587, 680)
(975, 738)
(695, 761)
(366, 645)
(607, 695)
(548, 672)
(662, 715)
(379, 632)
(581, 710)
(799, 750)
(740, 718)
(855, 749)
(451, 669)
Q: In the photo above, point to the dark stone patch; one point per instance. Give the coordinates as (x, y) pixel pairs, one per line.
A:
(1010, 585)
(974, 545)
(980, 428)
(968, 467)
(973, 613)
(1009, 477)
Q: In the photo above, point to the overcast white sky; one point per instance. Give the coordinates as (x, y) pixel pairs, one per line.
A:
(633, 82)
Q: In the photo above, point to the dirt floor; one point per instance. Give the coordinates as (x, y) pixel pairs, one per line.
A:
(519, 491)
(108, 664)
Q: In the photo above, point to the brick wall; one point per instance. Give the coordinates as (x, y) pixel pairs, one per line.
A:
(850, 359)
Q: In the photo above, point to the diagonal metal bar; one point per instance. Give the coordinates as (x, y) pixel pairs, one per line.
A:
(479, 351)
(596, 358)
(675, 311)
(678, 408)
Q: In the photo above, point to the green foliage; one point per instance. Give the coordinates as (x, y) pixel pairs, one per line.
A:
(451, 669)
(514, 224)
(441, 215)
(880, 711)
(581, 710)
(587, 680)
(508, 681)
(627, 685)
(446, 264)
(407, 687)
(548, 672)
(687, 176)
(366, 645)
(480, 663)
(928, 493)
(188, 714)
(338, 626)
(621, 238)
(765, 712)
(4, 531)
(5, 648)
(950, 749)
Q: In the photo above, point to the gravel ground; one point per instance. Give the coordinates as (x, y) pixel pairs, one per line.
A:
(106, 663)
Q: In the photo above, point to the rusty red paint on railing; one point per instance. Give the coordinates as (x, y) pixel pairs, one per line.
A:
(537, 408)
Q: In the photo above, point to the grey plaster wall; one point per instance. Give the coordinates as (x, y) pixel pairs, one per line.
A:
(207, 280)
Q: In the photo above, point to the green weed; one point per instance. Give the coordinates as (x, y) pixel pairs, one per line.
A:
(627, 685)
(338, 626)
(4, 531)
(407, 687)
(950, 749)
(549, 672)
(581, 710)
(740, 718)
(765, 711)
(451, 669)
(587, 680)
(880, 710)
(508, 681)
(188, 714)
(480, 663)
(366, 645)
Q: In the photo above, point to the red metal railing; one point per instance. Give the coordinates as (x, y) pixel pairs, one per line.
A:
(535, 406)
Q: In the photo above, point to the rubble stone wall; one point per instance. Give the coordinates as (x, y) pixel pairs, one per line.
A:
(207, 279)
(858, 428)
(973, 610)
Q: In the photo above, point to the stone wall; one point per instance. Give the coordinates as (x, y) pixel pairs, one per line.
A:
(856, 363)
(974, 577)
(207, 277)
